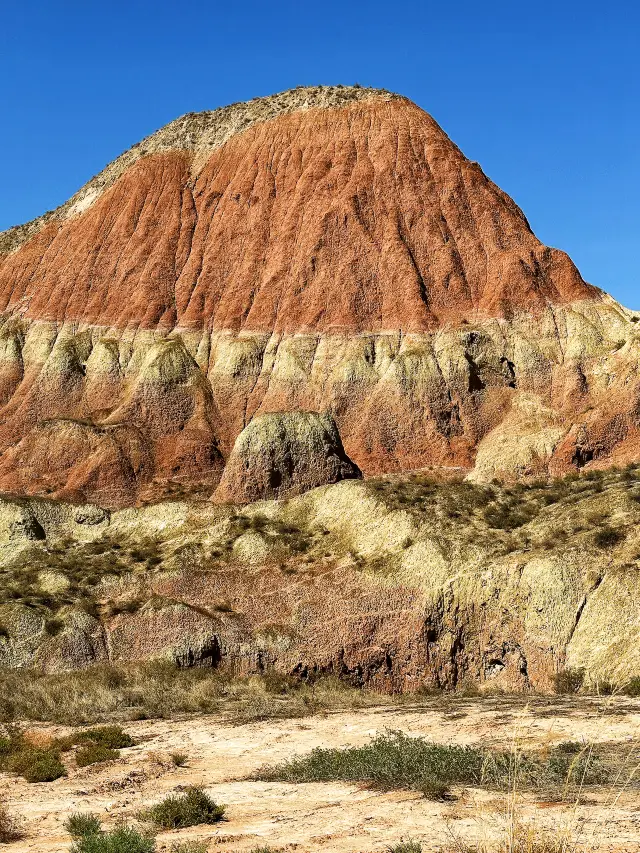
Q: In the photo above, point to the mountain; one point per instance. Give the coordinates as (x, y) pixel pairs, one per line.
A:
(323, 253)
(314, 306)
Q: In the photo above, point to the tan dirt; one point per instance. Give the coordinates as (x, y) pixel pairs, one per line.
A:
(334, 817)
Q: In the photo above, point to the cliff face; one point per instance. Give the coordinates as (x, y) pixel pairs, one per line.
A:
(323, 251)
(396, 583)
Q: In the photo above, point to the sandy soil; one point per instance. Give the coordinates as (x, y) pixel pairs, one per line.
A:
(331, 817)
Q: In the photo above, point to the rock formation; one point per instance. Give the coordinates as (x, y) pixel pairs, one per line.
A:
(325, 250)
(281, 455)
(397, 583)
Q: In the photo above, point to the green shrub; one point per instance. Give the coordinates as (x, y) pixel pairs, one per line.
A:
(36, 765)
(568, 680)
(569, 747)
(112, 737)
(189, 809)
(396, 761)
(123, 839)
(94, 753)
(78, 825)
(392, 760)
(179, 759)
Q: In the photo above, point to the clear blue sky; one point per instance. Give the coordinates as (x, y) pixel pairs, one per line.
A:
(546, 96)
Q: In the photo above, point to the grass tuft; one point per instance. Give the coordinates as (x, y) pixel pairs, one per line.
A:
(78, 825)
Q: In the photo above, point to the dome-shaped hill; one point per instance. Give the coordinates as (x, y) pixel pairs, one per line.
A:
(325, 250)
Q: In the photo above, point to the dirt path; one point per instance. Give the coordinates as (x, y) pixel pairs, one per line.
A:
(329, 816)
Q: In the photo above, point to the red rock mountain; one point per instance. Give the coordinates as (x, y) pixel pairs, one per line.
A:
(326, 250)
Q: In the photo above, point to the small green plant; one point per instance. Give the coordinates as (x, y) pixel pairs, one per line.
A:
(405, 847)
(568, 680)
(94, 753)
(36, 765)
(112, 737)
(78, 825)
(179, 759)
(189, 809)
(9, 828)
(123, 839)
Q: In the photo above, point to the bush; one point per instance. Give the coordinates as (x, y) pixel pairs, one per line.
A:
(392, 760)
(632, 687)
(190, 809)
(112, 737)
(396, 761)
(608, 537)
(94, 753)
(123, 839)
(9, 827)
(36, 765)
(179, 759)
(568, 680)
(78, 825)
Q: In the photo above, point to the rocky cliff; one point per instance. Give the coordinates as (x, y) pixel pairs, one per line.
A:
(325, 253)
(397, 583)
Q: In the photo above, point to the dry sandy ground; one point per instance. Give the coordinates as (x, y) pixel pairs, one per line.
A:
(335, 816)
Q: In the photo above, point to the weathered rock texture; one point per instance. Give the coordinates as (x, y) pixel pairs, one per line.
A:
(324, 250)
(281, 455)
(393, 583)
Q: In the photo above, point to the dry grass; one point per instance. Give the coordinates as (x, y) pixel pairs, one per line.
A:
(10, 829)
(163, 690)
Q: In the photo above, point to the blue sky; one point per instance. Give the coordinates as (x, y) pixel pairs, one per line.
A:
(545, 96)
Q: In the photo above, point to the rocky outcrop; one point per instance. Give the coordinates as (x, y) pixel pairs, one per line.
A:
(325, 250)
(284, 454)
(393, 583)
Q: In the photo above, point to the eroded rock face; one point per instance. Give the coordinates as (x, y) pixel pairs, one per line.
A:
(326, 250)
(393, 583)
(284, 454)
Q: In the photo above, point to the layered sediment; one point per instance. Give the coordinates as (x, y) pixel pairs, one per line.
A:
(327, 251)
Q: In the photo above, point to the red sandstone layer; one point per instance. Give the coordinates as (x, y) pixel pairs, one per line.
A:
(364, 217)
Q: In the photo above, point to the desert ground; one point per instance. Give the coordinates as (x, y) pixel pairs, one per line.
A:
(345, 818)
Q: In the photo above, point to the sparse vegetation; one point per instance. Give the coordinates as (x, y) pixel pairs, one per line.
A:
(95, 753)
(568, 680)
(189, 847)
(35, 764)
(178, 759)
(10, 829)
(78, 825)
(395, 761)
(162, 689)
(123, 839)
(608, 537)
(405, 847)
(192, 808)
